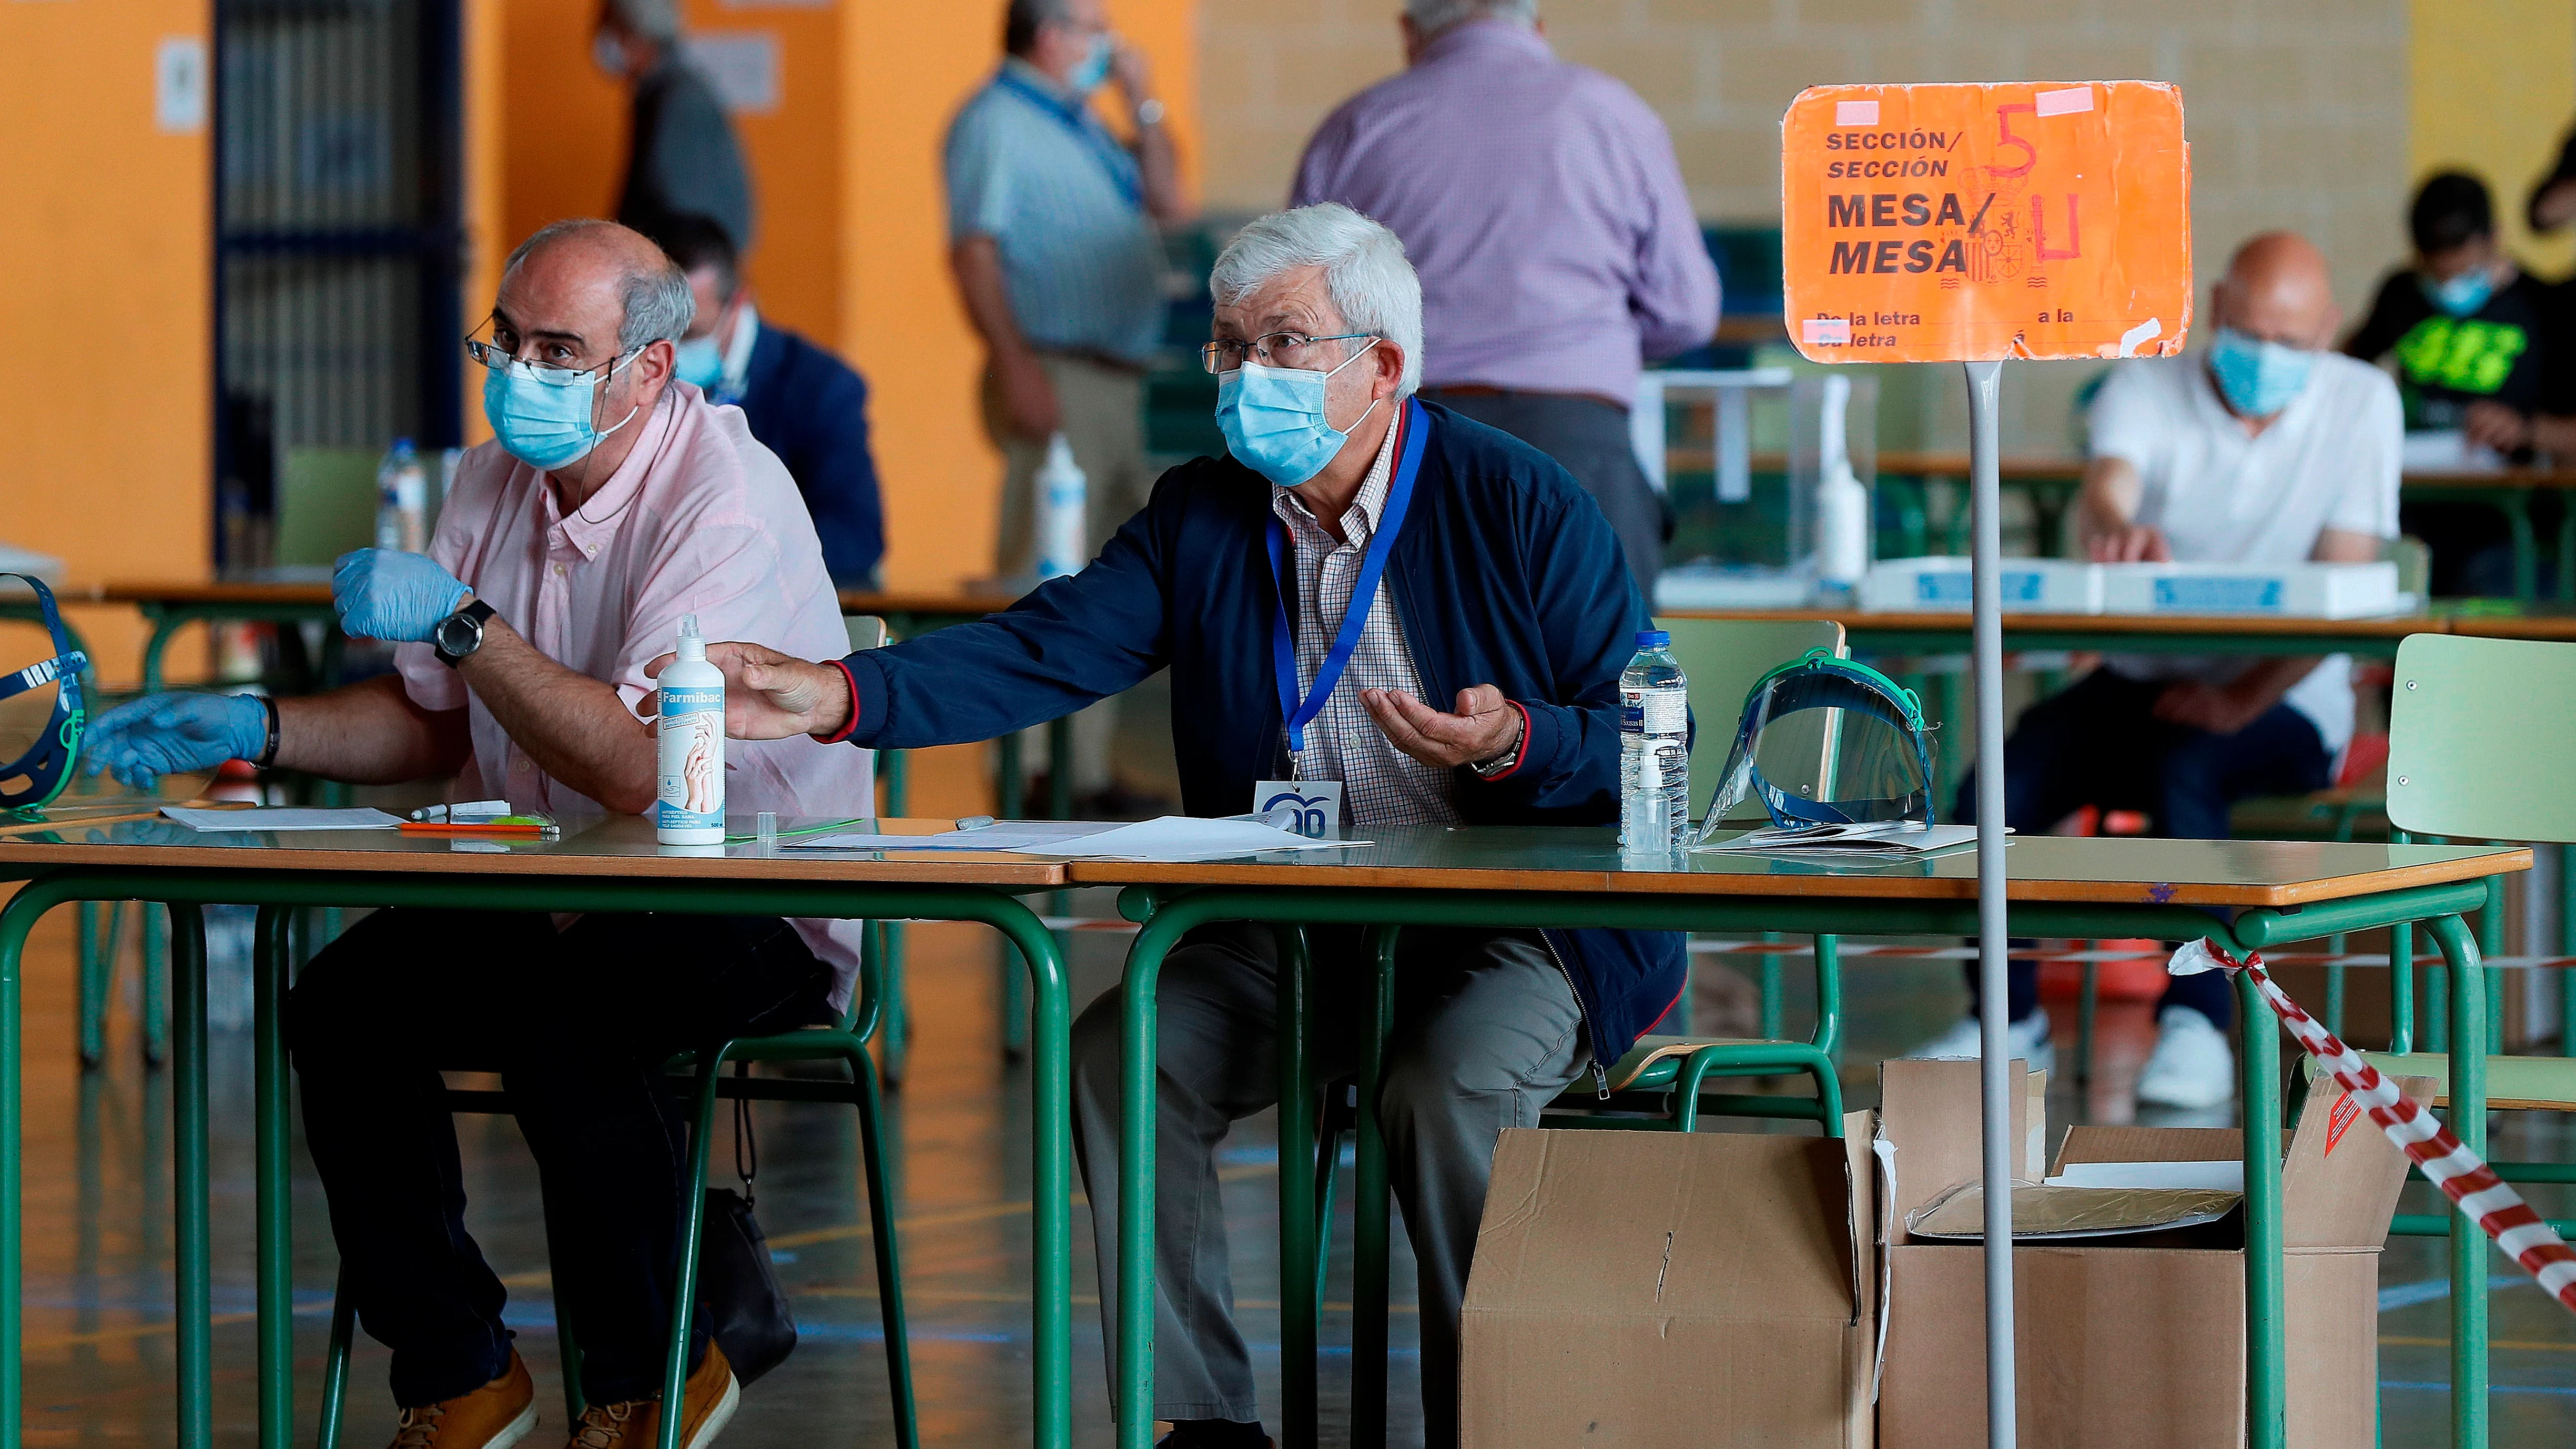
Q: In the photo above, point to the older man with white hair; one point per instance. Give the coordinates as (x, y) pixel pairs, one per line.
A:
(1360, 554)
(1542, 205)
(613, 501)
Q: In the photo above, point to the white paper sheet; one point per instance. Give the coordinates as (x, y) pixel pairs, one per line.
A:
(1181, 837)
(2221, 1176)
(282, 818)
(1008, 835)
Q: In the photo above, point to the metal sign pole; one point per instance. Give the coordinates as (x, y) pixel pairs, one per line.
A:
(1993, 964)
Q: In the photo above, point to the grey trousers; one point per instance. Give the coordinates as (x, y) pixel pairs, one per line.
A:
(1590, 438)
(1486, 1033)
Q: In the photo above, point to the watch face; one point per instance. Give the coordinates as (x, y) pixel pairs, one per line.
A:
(458, 634)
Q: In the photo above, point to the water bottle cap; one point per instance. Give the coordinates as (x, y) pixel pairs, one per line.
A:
(1653, 639)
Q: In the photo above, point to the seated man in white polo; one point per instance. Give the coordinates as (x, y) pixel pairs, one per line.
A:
(2264, 447)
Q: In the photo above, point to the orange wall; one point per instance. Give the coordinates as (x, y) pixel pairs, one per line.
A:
(853, 242)
(104, 378)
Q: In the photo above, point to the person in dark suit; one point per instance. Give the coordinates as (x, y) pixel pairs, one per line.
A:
(802, 402)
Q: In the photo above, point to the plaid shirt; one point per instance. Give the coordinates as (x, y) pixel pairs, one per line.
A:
(1381, 784)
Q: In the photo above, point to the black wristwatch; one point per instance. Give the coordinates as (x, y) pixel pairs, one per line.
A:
(460, 633)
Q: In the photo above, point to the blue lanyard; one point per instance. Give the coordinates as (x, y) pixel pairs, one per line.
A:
(1283, 648)
(1113, 157)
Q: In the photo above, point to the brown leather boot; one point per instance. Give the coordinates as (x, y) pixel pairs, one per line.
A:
(495, 1416)
(707, 1401)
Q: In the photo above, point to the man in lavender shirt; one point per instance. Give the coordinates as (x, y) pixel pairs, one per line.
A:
(1541, 204)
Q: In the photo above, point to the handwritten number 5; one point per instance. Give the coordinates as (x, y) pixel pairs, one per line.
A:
(2005, 137)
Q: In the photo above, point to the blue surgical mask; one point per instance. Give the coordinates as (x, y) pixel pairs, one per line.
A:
(545, 423)
(701, 362)
(2460, 296)
(1273, 419)
(2257, 378)
(1094, 69)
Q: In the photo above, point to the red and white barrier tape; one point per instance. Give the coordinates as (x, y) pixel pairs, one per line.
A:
(2462, 1175)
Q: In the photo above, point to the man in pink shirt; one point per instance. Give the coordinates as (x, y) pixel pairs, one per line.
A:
(614, 500)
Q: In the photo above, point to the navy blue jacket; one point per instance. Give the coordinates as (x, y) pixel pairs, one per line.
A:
(808, 407)
(1505, 574)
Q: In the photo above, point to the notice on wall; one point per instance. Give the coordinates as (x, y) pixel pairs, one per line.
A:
(1971, 223)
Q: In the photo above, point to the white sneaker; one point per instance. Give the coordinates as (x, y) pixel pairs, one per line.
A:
(2192, 1065)
(1964, 1041)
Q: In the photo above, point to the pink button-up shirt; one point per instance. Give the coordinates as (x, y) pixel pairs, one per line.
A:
(700, 519)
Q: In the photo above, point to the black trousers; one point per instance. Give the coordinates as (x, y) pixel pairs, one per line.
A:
(2098, 742)
(577, 1023)
(1590, 438)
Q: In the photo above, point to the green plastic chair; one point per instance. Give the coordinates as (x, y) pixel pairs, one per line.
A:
(2476, 752)
(700, 1079)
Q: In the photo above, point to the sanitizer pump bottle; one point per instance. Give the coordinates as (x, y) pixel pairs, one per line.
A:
(1062, 502)
(689, 799)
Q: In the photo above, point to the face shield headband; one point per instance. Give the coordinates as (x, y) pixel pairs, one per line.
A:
(36, 777)
(1820, 681)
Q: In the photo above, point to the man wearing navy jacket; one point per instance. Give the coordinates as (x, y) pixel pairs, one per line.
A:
(801, 401)
(1359, 554)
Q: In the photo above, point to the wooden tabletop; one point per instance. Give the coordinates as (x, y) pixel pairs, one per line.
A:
(2050, 470)
(2044, 869)
(620, 845)
(316, 594)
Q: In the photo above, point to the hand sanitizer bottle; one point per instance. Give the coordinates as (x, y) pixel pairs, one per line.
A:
(1062, 501)
(688, 805)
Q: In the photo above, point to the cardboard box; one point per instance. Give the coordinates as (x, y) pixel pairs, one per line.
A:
(1637, 1288)
(2134, 1347)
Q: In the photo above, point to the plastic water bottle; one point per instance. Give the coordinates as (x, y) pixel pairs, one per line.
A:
(1062, 498)
(402, 500)
(689, 783)
(1842, 503)
(1654, 750)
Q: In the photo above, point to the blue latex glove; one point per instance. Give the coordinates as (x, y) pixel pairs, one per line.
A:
(382, 593)
(174, 734)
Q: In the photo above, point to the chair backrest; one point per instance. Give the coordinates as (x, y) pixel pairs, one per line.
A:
(326, 504)
(867, 631)
(1723, 658)
(2478, 739)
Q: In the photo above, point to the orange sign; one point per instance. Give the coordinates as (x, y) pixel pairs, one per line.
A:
(1967, 223)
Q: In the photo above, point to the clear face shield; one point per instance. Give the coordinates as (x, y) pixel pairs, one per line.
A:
(41, 713)
(1824, 741)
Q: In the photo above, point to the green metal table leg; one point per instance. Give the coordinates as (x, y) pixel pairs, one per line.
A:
(193, 1216)
(2401, 976)
(1371, 1244)
(898, 778)
(1009, 790)
(164, 624)
(335, 1365)
(1828, 1034)
(1300, 1308)
(2567, 883)
(276, 1223)
(2491, 945)
(97, 968)
(2437, 1012)
(1769, 966)
(156, 984)
(2468, 1097)
(693, 1222)
(2266, 1367)
(15, 922)
(2335, 986)
(1060, 768)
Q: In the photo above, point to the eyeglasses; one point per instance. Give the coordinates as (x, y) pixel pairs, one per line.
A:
(1271, 349)
(554, 374)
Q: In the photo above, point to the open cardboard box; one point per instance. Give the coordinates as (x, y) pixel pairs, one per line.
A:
(1713, 1288)
(2122, 1344)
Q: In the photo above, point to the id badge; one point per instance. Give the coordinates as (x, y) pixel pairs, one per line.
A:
(1318, 804)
